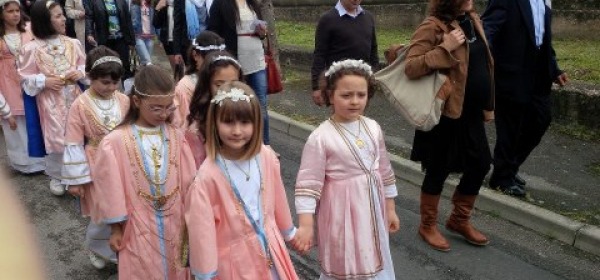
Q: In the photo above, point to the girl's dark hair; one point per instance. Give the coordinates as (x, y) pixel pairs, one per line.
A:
(228, 6)
(41, 26)
(150, 80)
(328, 84)
(202, 95)
(20, 25)
(112, 69)
(446, 10)
(204, 39)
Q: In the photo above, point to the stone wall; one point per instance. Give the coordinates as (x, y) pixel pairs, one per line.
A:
(572, 18)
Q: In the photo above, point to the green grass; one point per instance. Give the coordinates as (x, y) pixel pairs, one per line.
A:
(579, 58)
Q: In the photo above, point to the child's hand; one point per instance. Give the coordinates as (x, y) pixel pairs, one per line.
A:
(393, 222)
(303, 239)
(116, 238)
(77, 190)
(12, 123)
(74, 76)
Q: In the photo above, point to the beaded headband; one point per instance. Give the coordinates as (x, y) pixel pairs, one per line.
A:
(152, 95)
(349, 63)
(220, 47)
(224, 57)
(106, 59)
(4, 2)
(235, 94)
(49, 3)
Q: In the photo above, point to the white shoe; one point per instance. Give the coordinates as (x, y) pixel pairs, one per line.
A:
(56, 188)
(97, 262)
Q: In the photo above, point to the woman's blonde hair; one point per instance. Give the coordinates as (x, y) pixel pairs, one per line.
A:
(229, 110)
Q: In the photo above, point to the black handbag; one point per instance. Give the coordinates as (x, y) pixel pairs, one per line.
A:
(160, 18)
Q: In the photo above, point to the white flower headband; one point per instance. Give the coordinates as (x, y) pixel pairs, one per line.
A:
(224, 57)
(152, 95)
(106, 59)
(4, 2)
(349, 63)
(49, 3)
(220, 47)
(235, 94)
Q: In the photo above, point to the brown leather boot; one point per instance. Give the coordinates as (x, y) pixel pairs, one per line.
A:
(459, 220)
(428, 228)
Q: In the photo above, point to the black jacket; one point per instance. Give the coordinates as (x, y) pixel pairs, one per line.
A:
(161, 21)
(216, 23)
(510, 31)
(96, 21)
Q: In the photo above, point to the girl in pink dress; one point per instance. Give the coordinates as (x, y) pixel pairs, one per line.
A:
(206, 43)
(345, 170)
(236, 212)
(142, 172)
(50, 68)
(93, 115)
(220, 67)
(13, 34)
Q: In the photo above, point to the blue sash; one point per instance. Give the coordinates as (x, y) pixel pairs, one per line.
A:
(35, 137)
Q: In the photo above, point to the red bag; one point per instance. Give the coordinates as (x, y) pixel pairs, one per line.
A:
(274, 84)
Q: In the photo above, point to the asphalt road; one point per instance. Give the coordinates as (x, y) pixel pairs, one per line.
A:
(514, 252)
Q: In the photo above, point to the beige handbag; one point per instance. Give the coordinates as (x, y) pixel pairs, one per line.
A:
(416, 100)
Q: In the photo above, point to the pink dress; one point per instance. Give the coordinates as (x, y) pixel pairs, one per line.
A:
(152, 213)
(349, 180)
(223, 242)
(183, 95)
(44, 58)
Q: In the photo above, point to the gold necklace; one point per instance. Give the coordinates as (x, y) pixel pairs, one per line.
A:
(357, 140)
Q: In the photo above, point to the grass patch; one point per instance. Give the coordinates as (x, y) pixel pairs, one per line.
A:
(579, 58)
(587, 217)
(577, 131)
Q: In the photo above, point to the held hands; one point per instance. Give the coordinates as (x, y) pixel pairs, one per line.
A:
(73, 76)
(77, 191)
(562, 79)
(54, 83)
(303, 239)
(116, 237)
(453, 40)
(12, 123)
(318, 98)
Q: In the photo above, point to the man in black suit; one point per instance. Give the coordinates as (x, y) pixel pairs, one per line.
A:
(520, 36)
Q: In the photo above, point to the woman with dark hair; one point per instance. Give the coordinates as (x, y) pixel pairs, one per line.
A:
(451, 40)
(142, 14)
(240, 23)
(13, 35)
(50, 68)
(108, 23)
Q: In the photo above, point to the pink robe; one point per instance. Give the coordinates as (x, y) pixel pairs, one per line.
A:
(183, 95)
(52, 105)
(85, 127)
(10, 81)
(119, 178)
(222, 239)
(347, 236)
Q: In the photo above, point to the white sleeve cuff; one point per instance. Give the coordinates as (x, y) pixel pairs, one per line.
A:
(305, 205)
(289, 233)
(32, 85)
(75, 170)
(390, 191)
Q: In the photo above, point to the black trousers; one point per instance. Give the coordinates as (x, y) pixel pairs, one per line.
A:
(519, 129)
(119, 46)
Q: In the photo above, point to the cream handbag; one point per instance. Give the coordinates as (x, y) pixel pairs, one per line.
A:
(416, 100)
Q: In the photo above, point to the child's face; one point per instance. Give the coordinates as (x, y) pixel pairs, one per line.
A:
(154, 111)
(11, 14)
(198, 59)
(58, 20)
(105, 86)
(349, 98)
(223, 75)
(234, 135)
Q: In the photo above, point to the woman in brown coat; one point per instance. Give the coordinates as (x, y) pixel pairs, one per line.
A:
(452, 41)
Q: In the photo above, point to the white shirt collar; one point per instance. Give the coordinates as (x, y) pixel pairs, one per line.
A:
(342, 11)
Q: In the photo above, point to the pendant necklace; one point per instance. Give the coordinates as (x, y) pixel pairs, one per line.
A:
(243, 171)
(357, 140)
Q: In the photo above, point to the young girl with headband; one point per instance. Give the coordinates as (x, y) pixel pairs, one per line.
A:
(206, 43)
(219, 68)
(13, 35)
(142, 172)
(92, 116)
(50, 67)
(237, 212)
(345, 170)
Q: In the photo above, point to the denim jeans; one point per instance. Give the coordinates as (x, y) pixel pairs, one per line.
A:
(258, 82)
(144, 47)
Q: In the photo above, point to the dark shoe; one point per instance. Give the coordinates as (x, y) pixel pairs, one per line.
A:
(520, 181)
(513, 190)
